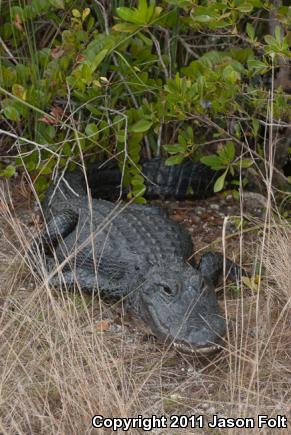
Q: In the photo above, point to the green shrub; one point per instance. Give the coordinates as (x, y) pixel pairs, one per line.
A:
(139, 80)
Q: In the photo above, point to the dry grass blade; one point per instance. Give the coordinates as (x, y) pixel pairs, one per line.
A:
(278, 260)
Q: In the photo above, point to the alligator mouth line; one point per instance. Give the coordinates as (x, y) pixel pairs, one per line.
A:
(196, 350)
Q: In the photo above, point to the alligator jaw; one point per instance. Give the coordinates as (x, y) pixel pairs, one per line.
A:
(203, 350)
(180, 346)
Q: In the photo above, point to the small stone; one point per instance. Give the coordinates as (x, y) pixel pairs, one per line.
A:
(178, 218)
(196, 219)
(214, 206)
(211, 410)
(102, 325)
(115, 328)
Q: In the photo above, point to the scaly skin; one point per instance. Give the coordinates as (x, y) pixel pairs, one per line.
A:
(137, 253)
(188, 180)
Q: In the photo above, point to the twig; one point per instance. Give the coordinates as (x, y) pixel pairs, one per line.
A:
(8, 51)
(188, 48)
(158, 48)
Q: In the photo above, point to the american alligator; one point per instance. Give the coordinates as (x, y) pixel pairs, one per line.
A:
(137, 253)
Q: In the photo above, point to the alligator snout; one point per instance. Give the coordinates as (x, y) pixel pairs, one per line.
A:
(205, 340)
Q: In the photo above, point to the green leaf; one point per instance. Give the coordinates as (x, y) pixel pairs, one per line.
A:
(128, 14)
(176, 148)
(126, 27)
(67, 149)
(76, 13)
(202, 18)
(278, 34)
(8, 172)
(250, 31)
(230, 74)
(19, 91)
(140, 126)
(98, 59)
(139, 200)
(219, 183)
(60, 4)
(142, 7)
(12, 113)
(50, 131)
(138, 181)
(174, 160)
(157, 12)
(182, 140)
(85, 13)
(86, 73)
(229, 151)
(138, 190)
(39, 6)
(41, 184)
(257, 65)
(213, 161)
(91, 130)
(256, 126)
(245, 7)
(190, 133)
(246, 163)
(269, 39)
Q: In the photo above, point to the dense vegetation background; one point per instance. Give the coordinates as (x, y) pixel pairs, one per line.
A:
(137, 79)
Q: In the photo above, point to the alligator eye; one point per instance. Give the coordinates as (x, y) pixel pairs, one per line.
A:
(167, 290)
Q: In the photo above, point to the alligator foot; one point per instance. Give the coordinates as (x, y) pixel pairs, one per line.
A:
(212, 266)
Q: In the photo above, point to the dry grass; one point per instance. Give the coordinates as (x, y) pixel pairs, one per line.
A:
(67, 356)
(278, 262)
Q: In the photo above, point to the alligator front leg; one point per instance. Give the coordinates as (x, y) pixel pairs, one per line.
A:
(211, 267)
(81, 278)
(69, 279)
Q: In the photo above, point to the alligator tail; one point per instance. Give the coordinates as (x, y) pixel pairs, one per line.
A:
(187, 180)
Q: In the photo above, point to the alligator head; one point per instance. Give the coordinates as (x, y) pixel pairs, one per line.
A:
(180, 306)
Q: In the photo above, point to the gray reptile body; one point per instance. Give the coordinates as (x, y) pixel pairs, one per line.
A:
(137, 253)
(187, 180)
